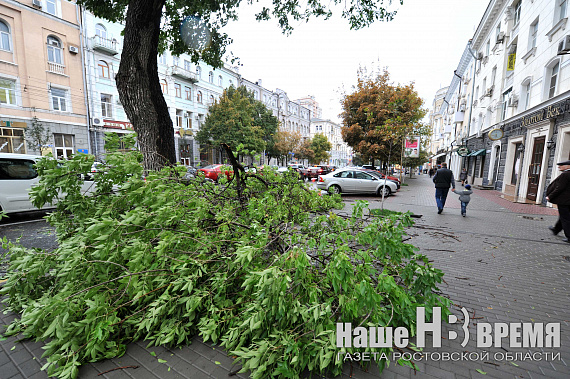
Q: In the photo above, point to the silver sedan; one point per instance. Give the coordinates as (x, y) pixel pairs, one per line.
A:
(355, 181)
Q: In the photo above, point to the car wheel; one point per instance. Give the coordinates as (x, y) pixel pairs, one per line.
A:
(387, 191)
(335, 189)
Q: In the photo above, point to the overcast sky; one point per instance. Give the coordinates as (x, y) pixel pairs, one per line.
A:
(423, 44)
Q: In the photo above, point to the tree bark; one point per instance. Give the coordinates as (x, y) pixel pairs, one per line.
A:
(138, 84)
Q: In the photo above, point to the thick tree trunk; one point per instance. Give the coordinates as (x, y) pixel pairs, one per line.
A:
(139, 87)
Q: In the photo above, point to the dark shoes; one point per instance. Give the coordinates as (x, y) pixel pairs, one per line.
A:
(439, 211)
(553, 230)
(463, 214)
(566, 240)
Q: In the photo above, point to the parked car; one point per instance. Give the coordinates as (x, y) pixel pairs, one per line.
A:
(382, 176)
(213, 171)
(314, 172)
(355, 181)
(327, 168)
(301, 171)
(17, 177)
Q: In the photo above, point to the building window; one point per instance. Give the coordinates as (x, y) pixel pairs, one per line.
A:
(179, 118)
(526, 95)
(187, 65)
(64, 145)
(199, 97)
(7, 91)
(211, 99)
(4, 37)
(517, 16)
(188, 93)
(553, 74)
(164, 86)
(561, 11)
(51, 7)
(106, 105)
(100, 31)
(532, 35)
(12, 141)
(162, 59)
(54, 50)
(103, 68)
(493, 75)
(220, 81)
(178, 89)
(231, 83)
(211, 77)
(488, 48)
(176, 61)
(199, 72)
(505, 106)
(58, 99)
(497, 31)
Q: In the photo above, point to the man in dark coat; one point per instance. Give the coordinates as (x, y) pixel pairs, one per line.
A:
(558, 192)
(443, 179)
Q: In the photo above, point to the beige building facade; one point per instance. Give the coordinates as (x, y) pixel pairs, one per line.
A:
(41, 77)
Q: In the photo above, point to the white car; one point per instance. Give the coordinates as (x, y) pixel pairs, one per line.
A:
(17, 177)
(351, 180)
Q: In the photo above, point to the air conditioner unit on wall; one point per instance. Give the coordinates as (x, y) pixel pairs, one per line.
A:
(73, 49)
(37, 3)
(97, 121)
(500, 37)
(564, 45)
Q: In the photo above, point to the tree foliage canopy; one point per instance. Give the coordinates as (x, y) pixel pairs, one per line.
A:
(261, 265)
(320, 146)
(238, 120)
(378, 114)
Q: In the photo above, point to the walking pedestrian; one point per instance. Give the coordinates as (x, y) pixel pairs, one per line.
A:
(463, 176)
(431, 172)
(558, 192)
(464, 198)
(443, 179)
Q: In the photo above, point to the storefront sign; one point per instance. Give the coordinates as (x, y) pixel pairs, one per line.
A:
(462, 151)
(552, 111)
(123, 125)
(13, 124)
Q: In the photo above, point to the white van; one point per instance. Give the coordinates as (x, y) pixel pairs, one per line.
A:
(17, 177)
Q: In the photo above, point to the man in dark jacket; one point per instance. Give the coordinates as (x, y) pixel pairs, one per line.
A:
(558, 192)
(443, 179)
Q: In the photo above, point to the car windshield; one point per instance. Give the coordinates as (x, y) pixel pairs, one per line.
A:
(211, 167)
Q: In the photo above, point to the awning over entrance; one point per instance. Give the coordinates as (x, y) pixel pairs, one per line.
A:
(476, 153)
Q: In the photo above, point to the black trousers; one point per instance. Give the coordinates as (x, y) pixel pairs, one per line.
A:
(563, 222)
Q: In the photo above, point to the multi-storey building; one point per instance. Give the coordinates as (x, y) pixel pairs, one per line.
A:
(436, 120)
(41, 76)
(340, 153)
(519, 123)
(311, 103)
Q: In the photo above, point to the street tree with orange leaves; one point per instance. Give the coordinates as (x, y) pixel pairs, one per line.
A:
(379, 114)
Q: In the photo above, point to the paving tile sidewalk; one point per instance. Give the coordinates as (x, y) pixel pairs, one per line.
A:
(501, 263)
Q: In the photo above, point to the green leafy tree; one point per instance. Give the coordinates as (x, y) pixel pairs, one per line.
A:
(320, 146)
(304, 150)
(38, 135)
(240, 121)
(378, 115)
(261, 266)
(287, 142)
(193, 27)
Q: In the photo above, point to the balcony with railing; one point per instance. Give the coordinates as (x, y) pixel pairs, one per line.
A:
(105, 45)
(183, 74)
(56, 68)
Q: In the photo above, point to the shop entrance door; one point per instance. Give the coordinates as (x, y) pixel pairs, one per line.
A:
(534, 169)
